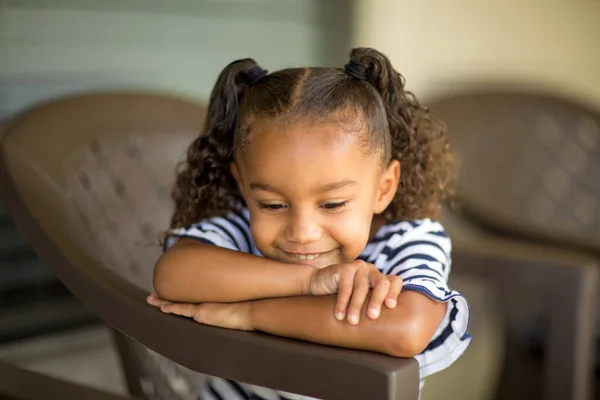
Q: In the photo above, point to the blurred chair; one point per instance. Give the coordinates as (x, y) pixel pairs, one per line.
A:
(87, 181)
(530, 170)
(530, 165)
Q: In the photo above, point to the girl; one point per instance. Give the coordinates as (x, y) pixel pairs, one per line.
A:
(304, 210)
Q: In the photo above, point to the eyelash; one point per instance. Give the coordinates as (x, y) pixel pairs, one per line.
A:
(335, 206)
(326, 206)
(270, 207)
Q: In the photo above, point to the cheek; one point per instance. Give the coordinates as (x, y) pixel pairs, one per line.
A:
(352, 231)
(265, 230)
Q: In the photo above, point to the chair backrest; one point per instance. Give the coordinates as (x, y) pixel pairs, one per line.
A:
(97, 171)
(104, 165)
(530, 163)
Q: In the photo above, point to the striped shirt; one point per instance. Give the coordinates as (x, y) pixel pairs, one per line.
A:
(417, 251)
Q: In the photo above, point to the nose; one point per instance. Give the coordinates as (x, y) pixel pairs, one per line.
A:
(303, 228)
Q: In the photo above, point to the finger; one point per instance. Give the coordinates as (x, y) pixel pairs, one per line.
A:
(183, 309)
(345, 288)
(156, 301)
(394, 291)
(361, 290)
(380, 292)
(200, 313)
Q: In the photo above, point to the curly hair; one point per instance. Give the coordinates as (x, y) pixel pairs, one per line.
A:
(392, 122)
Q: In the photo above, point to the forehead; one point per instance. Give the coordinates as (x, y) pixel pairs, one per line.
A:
(304, 153)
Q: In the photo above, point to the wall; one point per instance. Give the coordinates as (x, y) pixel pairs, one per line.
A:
(441, 46)
(53, 47)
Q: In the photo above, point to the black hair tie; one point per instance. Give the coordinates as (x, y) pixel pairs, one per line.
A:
(255, 75)
(356, 70)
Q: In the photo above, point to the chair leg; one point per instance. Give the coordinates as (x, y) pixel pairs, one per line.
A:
(570, 352)
(131, 371)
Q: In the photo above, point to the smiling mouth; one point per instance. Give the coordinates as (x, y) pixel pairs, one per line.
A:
(306, 256)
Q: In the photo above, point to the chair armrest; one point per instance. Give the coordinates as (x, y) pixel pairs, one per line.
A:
(260, 359)
(18, 383)
(568, 284)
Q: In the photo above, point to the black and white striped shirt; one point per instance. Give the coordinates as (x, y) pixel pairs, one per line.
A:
(417, 251)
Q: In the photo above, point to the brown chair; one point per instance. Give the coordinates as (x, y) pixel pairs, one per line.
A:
(87, 179)
(530, 168)
(533, 282)
(530, 164)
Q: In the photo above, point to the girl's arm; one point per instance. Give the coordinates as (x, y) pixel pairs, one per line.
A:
(194, 272)
(403, 331)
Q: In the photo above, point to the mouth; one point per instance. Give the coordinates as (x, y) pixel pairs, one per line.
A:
(306, 256)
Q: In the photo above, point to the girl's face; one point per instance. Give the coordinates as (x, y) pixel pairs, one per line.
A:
(312, 192)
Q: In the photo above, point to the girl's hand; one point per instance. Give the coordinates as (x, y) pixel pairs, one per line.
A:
(223, 315)
(354, 280)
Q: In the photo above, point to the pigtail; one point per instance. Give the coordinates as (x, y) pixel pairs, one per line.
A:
(418, 141)
(204, 185)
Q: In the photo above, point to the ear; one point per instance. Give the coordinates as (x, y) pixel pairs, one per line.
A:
(388, 186)
(233, 168)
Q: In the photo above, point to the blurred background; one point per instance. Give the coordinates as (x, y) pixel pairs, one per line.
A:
(57, 48)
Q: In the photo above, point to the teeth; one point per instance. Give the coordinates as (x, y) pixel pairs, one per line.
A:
(307, 257)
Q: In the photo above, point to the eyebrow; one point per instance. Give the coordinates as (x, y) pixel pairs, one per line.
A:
(325, 188)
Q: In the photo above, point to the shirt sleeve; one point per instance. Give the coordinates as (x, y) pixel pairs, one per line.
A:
(420, 255)
(230, 232)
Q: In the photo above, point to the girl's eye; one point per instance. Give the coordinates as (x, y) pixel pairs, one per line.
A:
(272, 207)
(334, 206)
